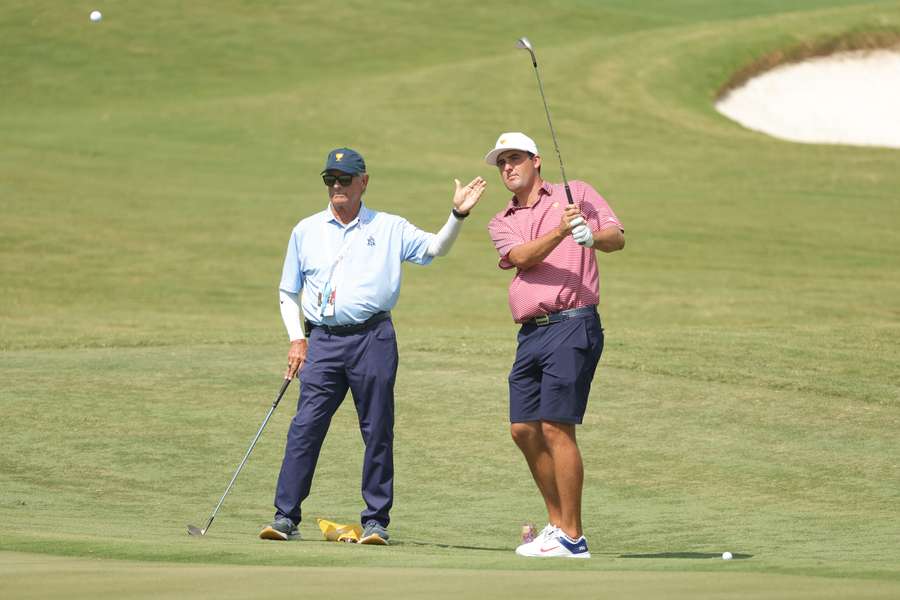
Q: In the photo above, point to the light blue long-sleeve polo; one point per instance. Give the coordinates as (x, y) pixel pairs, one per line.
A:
(368, 280)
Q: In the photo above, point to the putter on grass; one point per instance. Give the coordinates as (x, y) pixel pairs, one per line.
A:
(524, 44)
(193, 529)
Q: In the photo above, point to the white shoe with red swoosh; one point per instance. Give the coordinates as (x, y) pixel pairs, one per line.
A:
(546, 533)
(558, 545)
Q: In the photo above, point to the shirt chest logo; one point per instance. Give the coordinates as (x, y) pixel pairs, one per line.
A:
(371, 241)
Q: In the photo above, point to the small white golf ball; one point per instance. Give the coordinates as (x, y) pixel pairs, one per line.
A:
(96, 15)
(727, 556)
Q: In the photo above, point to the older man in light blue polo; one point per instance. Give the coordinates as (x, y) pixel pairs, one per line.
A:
(342, 271)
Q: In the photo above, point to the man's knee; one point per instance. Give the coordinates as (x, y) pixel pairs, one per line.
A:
(525, 434)
(558, 433)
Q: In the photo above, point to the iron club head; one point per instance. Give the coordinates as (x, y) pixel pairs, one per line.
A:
(524, 44)
(196, 531)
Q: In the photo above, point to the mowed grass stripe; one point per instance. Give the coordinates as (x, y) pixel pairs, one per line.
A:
(27, 576)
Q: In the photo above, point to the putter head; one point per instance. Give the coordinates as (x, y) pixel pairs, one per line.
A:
(194, 530)
(524, 44)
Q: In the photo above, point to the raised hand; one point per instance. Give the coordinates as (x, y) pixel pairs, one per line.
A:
(467, 197)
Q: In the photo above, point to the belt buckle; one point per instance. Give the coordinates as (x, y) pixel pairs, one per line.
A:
(542, 320)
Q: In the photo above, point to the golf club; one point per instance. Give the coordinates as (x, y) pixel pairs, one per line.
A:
(525, 44)
(193, 529)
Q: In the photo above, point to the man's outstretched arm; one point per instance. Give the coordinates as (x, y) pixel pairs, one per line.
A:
(464, 199)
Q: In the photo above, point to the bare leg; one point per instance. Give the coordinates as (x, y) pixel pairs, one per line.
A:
(530, 440)
(568, 471)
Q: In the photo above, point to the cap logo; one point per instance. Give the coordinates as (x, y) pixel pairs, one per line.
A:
(503, 140)
(339, 156)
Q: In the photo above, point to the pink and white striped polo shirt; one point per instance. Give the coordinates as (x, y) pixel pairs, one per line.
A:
(567, 277)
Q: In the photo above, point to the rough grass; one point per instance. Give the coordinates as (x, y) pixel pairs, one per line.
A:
(868, 39)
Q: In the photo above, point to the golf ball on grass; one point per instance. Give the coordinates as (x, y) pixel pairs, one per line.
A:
(96, 16)
(727, 556)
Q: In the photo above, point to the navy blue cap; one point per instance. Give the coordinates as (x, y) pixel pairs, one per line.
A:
(345, 160)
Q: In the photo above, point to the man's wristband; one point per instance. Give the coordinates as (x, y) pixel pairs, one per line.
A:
(458, 214)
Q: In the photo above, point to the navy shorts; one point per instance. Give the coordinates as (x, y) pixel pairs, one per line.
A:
(551, 377)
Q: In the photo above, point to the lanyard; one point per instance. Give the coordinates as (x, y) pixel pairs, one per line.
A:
(329, 292)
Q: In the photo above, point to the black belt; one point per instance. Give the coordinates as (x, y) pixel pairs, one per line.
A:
(348, 329)
(544, 320)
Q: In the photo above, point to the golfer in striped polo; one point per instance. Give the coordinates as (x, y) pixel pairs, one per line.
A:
(346, 260)
(554, 296)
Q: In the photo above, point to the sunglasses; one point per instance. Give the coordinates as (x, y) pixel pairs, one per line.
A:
(344, 180)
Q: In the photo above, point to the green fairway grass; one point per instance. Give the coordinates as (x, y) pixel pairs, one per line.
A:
(152, 167)
(117, 579)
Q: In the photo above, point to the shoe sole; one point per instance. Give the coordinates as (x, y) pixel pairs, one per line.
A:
(558, 556)
(273, 534)
(582, 555)
(374, 540)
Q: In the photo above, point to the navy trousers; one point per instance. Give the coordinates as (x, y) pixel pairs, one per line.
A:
(366, 364)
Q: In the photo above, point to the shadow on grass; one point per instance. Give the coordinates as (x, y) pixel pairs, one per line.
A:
(448, 546)
(694, 555)
(688, 555)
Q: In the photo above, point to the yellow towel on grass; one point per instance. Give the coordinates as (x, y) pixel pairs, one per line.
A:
(335, 532)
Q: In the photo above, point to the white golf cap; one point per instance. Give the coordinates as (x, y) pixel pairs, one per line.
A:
(512, 140)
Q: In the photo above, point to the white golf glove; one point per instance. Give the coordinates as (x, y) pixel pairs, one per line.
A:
(582, 233)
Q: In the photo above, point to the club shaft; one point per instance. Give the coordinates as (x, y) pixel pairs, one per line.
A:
(562, 168)
(284, 387)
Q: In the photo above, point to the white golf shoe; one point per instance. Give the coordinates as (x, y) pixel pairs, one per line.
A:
(555, 545)
(548, 531)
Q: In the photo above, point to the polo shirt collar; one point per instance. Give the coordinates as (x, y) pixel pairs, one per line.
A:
(545, 190)
(363, 216)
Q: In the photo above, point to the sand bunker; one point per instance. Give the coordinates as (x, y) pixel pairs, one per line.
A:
(849, 98)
